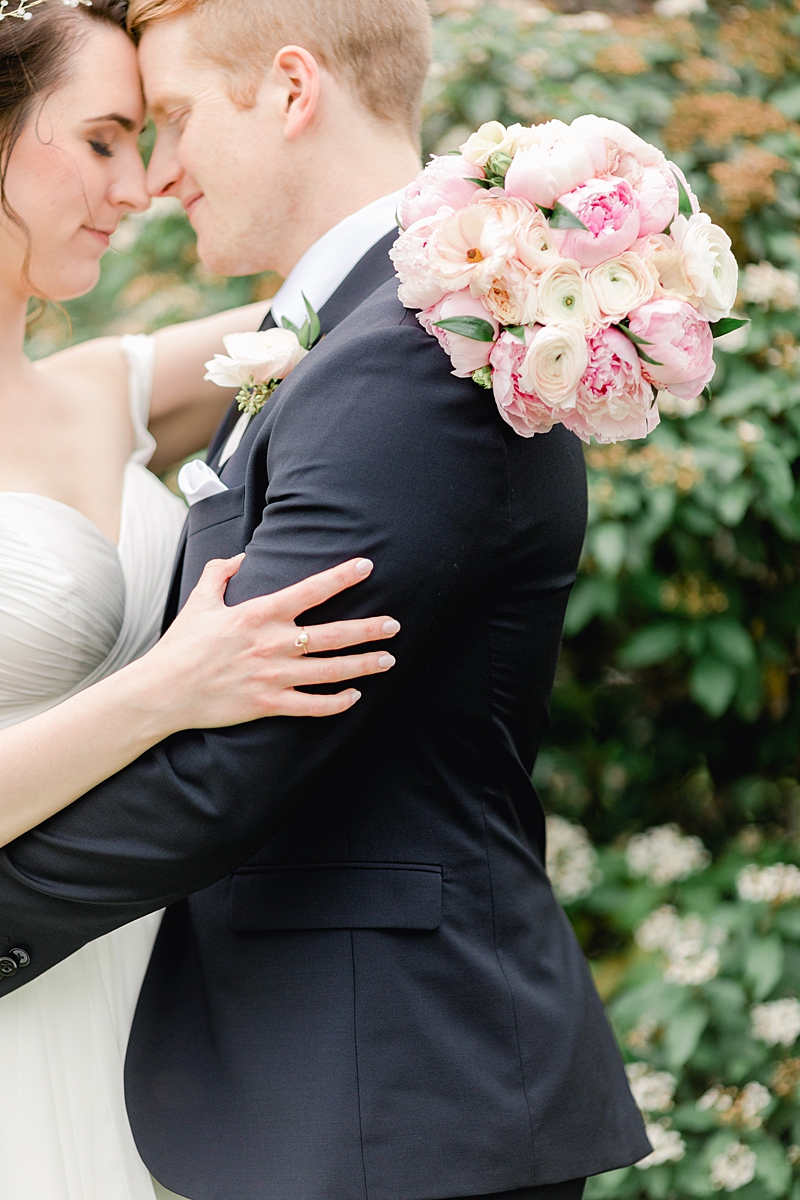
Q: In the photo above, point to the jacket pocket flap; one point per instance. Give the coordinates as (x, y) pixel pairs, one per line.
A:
(214, 510)
(337, 896)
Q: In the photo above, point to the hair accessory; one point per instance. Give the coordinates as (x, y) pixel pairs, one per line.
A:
(22, 11)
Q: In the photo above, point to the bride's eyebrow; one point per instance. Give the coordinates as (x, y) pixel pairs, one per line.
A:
(113, 118)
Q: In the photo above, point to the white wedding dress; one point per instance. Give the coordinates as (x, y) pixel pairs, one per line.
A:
(74, 608)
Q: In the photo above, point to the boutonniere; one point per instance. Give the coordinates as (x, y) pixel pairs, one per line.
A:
(257, 362)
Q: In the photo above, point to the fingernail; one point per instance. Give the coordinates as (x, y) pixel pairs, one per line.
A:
(391, 627)
(364, 566)
(385, 661)
(355, 696)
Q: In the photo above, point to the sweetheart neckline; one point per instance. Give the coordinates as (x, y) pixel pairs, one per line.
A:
(75, 512)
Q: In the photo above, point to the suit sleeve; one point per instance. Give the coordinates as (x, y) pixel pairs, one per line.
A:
(396, 460)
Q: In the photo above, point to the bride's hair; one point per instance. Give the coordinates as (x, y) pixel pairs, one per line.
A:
(34, 61)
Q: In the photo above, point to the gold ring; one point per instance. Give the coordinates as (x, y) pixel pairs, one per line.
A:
(302, 642)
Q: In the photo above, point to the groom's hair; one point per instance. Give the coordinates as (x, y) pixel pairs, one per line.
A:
(381, 48)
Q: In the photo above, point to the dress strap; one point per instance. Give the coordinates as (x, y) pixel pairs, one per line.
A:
(140, 354)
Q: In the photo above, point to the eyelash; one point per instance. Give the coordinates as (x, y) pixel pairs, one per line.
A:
(102, 149)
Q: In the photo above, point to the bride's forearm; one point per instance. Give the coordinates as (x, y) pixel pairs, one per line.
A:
(48, 762)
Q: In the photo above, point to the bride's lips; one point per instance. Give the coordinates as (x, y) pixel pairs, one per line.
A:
(100, 234)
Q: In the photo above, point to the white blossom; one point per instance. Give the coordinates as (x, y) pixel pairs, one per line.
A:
(733, 1168)
(777, 1023)
(775, 884)
(659, 929)
(715, 1098)
(752, 1100)
(586, 22)
(664, 855)
(668, 1146)
(769, 287)
(679, 8)
(652, 1090)
(571, 860)
(689, 945)
(745, 1107)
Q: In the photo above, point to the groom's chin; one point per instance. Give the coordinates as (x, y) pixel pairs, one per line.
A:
(222, 256)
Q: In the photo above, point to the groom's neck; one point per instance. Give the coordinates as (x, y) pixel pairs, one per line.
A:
(340, 182)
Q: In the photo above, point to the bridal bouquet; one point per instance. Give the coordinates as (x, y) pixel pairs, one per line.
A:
(569, 269)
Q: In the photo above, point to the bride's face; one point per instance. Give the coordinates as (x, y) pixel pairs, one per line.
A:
(75, 171)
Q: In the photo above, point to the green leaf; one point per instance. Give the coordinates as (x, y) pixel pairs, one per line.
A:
(773, 1168)
(313, 321)
(484, 183)
(638, 343)
(654, 644)
(563, 218)
(683, 1034)
(470, 327)
(684, 203)
(517, 330)
(727, 325)
(712, 684)
(763, 964)
(731, 641)
(607, 544)
(591, 597)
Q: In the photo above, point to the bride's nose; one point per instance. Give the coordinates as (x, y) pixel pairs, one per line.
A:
(130, 190)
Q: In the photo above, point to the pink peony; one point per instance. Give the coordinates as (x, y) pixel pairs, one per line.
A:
(611, 212)
(418, 286)
(625, 151)
(553, 161)
(680, 340)
(471, 248)
(658, 198)
(443, 184)
(466, 354)
(614, 401)
(525, 412)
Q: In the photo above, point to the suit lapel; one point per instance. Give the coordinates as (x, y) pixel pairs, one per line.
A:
(369, 273)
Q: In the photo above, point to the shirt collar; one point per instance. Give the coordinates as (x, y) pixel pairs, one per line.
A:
(330, 260)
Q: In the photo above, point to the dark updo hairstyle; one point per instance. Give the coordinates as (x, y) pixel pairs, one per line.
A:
(34, 61)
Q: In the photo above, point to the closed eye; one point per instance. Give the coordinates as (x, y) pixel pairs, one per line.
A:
(101, 148)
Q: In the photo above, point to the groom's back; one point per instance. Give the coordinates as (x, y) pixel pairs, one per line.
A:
(388, 1001)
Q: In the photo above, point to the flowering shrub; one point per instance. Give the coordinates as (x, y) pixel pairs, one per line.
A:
(702, 990)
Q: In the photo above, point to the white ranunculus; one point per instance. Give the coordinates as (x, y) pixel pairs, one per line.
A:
(554, 364)
(256, 357)
(619, 286)
(563, 297)
(493, 137)
(708, 264)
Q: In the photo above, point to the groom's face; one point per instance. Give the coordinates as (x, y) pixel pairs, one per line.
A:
(221, 160)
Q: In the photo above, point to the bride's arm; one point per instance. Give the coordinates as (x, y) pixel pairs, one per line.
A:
(216, 666)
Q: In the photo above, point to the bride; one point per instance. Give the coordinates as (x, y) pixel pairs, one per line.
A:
(87, 539)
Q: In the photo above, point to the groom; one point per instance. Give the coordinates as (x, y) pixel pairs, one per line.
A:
(370, 992)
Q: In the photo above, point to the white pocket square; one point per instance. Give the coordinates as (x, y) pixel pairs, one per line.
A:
(197, 482)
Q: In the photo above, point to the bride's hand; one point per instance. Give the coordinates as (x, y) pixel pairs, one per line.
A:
(219, 666)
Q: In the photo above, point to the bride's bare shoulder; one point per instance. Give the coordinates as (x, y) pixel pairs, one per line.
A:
(97, 367)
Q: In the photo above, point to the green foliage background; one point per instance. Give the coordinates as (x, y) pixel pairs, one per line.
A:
(677, 696)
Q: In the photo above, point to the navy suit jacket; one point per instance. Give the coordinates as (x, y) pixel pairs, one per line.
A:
(364, 988)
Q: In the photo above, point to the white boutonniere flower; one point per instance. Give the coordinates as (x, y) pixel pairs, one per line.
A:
(257, 362)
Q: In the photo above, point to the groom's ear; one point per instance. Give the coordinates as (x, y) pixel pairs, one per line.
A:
(297, 74)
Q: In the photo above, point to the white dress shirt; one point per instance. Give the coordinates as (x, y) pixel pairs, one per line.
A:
(321, 270)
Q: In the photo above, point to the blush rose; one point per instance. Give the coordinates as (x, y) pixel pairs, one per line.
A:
(680, 341)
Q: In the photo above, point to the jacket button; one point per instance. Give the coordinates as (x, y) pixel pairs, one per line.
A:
(8, 967)
(21, 957)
